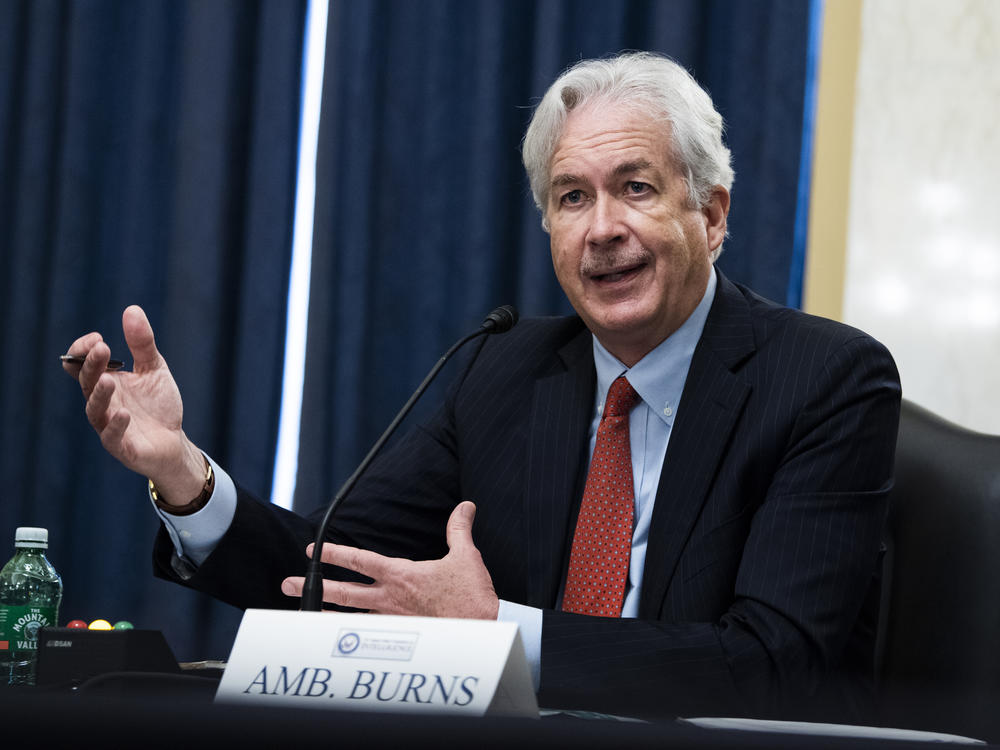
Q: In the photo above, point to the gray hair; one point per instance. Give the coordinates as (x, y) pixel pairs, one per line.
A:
(656, 86)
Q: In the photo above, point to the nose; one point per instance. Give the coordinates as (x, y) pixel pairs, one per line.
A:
(606, 222)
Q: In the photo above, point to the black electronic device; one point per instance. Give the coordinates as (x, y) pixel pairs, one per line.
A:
(68, 657)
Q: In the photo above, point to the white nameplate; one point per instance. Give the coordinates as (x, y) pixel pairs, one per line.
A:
(378, 663)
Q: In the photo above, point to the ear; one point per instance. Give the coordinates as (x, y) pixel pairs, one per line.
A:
(715, 213)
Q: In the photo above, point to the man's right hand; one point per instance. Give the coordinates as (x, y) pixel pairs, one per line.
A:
(138, 414)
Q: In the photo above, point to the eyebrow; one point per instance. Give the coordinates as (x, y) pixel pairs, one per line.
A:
(620, 170)
(564, 179)
(630, 167)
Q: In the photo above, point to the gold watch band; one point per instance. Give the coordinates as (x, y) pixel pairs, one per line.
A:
(195, 505)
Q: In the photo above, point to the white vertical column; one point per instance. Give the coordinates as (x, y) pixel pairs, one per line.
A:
(313, 57)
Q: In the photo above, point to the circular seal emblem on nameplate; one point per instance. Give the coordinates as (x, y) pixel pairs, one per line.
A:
(348, 643)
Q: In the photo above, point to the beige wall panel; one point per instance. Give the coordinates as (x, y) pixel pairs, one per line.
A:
(923, 238)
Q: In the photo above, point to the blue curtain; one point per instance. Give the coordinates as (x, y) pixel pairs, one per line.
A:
(147, 154)
(424, 220)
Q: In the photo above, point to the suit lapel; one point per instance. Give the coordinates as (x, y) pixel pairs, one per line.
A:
(560, 412)
(713, 398)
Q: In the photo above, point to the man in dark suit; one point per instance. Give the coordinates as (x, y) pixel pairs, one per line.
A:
(757, 444)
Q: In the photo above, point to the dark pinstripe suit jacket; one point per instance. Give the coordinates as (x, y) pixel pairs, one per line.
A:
(760, 587)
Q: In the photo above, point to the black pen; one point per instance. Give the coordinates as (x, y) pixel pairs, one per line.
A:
(114, 364)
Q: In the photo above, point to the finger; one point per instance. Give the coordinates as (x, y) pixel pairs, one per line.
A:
(367, 563)
(94, 367)
(114, 432)
(80, 348)
(140, 339)
(354, 595)
(458, 533)
(99, 402)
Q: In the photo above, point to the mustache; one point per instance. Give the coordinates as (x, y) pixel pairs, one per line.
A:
(605, 262)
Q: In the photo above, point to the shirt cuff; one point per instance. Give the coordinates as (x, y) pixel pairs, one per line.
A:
(529, 622)
(196, 535)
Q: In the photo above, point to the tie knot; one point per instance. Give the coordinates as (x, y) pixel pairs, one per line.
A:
(621, 398)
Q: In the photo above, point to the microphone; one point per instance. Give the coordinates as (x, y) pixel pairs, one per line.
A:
(500, 320)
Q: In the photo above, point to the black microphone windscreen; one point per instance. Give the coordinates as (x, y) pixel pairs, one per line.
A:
(501, 320)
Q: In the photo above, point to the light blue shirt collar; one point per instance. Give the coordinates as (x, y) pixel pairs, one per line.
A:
(658, 377)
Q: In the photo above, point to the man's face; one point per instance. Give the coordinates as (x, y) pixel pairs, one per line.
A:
(630, 253)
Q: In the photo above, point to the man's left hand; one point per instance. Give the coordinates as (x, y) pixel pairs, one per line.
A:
(457, 585)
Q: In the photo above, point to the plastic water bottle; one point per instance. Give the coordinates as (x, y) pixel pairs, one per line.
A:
(30, 592)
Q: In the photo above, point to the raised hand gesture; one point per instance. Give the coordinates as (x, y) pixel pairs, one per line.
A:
(138, 414)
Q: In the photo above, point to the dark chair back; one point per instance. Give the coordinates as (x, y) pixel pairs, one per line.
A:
(939, 645)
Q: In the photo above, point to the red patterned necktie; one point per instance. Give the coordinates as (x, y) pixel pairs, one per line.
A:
(602, 542)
